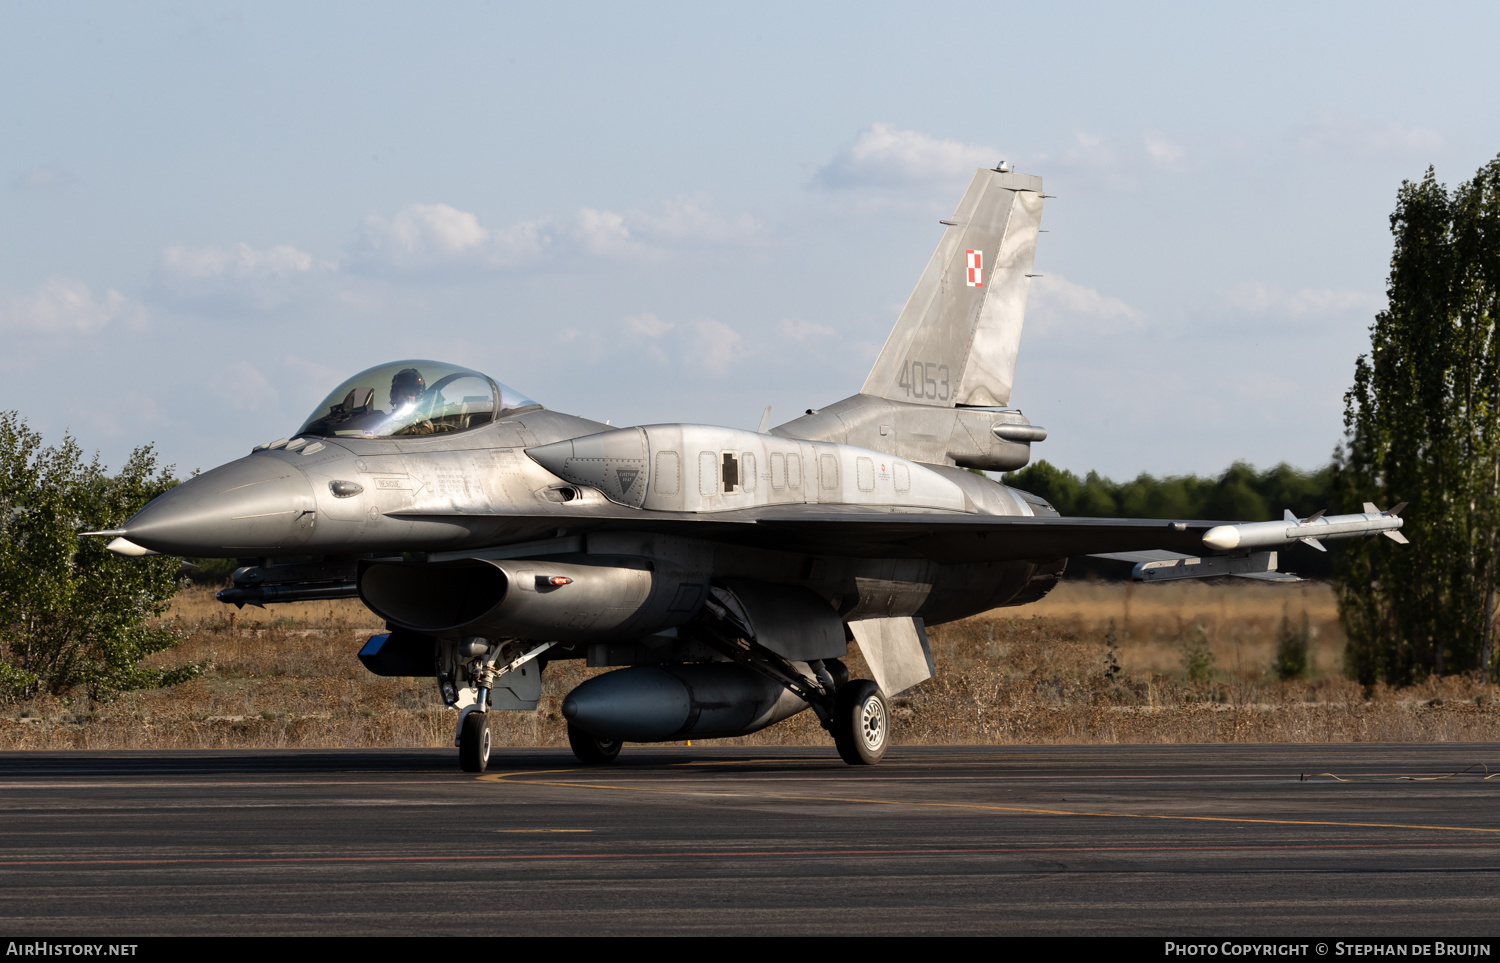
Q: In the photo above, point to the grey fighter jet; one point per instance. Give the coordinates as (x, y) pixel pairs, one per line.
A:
(721, 573)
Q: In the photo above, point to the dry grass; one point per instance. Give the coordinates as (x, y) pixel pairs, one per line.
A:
(287, 676)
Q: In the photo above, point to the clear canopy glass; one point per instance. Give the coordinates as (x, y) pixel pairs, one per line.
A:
(411, 398)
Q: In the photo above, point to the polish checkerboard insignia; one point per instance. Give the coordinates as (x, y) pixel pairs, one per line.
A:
(976, 268)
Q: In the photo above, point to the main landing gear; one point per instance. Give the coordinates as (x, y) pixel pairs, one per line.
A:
(861, 723)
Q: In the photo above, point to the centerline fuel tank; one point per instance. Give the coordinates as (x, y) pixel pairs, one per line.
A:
(660, 703)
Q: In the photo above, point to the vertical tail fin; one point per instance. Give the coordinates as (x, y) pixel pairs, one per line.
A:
(957, 338)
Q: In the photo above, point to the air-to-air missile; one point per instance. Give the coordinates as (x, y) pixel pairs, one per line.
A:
(721, 573)
(1309, 531)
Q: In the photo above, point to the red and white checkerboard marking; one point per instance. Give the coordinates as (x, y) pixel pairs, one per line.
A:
(976, 268)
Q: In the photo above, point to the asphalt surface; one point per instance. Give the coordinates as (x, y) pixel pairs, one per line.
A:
(1139, 840)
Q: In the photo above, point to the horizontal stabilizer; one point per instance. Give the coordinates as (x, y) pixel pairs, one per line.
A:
(1257, 565)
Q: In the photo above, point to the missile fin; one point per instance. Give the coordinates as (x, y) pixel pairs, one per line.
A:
(1315, 516)
(1313, 542)
(1370, 509)
(1287, 516)
(1396, 510)
(1396, 536)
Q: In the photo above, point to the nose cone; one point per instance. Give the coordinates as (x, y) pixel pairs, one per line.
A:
(254, 506)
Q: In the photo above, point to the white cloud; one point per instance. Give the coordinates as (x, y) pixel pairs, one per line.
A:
(42, 177)
(884, 155)
(241, 386)
(427, 238)
(240, 261)
(1054, 301)
(1163, 152)
(603, 233)
(63, 305)
(1254, 297)
(804, 330)
(439, 238)
(238, 274)
(693, 219)
(1351, 138)
(649, 325)
(715, 345)
(1097, 157)
(1090, 150)
(422, 236)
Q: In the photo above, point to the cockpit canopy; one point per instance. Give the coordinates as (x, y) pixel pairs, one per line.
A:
(411, 398)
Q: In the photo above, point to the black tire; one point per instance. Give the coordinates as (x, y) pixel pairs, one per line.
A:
(590, 749)
(861, 723)
(474, 742)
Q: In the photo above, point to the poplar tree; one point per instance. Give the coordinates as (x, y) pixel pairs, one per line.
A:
(1422, 424)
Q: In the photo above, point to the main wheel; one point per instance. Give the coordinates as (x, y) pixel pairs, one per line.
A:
(590, 749)
(861, 723)
(474, 742)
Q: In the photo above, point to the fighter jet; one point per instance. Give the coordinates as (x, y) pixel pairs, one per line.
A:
(720, 573)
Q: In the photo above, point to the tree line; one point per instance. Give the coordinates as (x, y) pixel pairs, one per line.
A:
(1238, 494)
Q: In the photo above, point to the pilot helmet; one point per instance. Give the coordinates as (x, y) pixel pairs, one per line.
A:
(407, 384)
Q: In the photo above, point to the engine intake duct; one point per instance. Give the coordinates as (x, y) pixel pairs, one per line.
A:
(513, 598)
(663, 703)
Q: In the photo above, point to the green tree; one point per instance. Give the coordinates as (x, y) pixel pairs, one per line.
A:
(74, 616)
(1422, 425)
(1240, 494)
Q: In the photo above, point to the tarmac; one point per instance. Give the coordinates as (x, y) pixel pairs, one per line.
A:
(1335, 841)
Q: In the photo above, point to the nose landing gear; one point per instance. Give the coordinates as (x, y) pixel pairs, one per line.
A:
(475, 677)
(474, 742)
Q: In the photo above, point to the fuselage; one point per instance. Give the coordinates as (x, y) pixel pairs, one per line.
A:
(571, 487)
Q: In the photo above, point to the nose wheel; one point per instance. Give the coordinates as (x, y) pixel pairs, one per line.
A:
(474, 742)
(861, 723)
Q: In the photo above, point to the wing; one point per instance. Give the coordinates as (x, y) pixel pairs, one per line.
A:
(944, 537)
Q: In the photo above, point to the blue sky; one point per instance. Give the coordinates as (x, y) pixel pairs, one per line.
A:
(212, 213)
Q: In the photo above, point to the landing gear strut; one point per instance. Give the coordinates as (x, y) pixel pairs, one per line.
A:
(853, 711)
(861, 723)
(467, 674)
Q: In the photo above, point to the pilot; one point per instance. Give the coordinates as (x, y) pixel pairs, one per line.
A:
(406, 389)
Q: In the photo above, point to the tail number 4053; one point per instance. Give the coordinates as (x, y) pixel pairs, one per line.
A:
(925, 379)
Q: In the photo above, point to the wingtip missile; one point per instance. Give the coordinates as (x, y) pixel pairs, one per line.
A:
(1312, 530)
